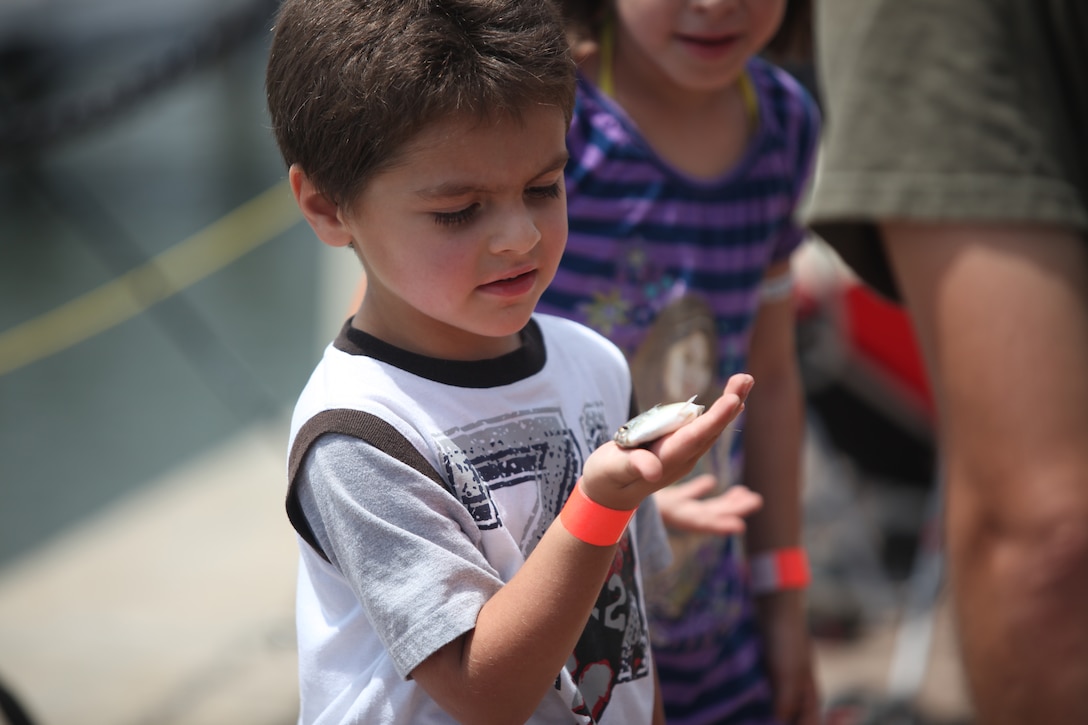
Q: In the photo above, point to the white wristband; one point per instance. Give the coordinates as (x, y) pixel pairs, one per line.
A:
(776, 288)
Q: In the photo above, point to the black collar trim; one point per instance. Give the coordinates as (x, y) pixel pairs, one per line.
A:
(506, 369)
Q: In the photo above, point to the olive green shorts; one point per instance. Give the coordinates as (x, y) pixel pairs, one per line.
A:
(948, 110)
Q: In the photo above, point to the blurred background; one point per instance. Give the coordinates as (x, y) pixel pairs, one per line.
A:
(161, 305)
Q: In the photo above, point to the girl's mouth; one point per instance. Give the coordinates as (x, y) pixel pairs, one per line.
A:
(709, 47)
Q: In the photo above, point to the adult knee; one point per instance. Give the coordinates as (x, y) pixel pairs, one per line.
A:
(1037, 537)
(1042, 548)
(1053, 554)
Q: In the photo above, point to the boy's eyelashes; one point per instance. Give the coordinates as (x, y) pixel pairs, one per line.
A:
(551, 191)
(452, 218)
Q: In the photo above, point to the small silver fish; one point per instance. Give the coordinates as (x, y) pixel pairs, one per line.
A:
(656, 422)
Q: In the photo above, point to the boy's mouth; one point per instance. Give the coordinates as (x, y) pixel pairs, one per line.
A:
(514, 285)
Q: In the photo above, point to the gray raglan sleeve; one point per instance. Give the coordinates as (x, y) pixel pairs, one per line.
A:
(407, 547)
(652, 539)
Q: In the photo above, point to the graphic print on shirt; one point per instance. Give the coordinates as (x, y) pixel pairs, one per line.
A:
(640, 291)
(515, 472)
(646, 299)
(617, 624)
(675, 360)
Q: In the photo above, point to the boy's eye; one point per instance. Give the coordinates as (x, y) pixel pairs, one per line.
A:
(452, 218)
(544, 192)
(461, 216)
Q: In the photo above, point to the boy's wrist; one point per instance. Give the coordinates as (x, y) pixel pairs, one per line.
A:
(592, 522)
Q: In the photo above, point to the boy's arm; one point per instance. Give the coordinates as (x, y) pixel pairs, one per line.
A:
(524, 635)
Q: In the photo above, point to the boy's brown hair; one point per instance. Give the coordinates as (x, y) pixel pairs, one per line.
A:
(349, 82)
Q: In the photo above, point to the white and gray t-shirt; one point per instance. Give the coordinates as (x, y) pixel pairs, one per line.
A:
(419, 486)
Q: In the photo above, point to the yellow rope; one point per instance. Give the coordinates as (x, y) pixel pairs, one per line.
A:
(241, 231)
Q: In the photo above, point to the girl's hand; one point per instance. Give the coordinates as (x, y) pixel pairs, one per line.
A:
(789, 658)
(684, 507)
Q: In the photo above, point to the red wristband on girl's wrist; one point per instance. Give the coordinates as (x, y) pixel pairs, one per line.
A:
(591, 522)
(779, 569)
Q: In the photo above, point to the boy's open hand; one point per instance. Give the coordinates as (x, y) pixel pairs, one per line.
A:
(621, 478)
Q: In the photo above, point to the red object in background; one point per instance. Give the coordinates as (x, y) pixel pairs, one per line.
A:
(881, 332)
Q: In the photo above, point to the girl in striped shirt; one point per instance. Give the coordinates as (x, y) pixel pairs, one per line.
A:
(689, 155)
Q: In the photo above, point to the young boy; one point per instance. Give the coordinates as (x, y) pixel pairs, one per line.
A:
(444, 575)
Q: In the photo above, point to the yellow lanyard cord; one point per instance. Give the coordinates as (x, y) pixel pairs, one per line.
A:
(751, 101)
(608, 42)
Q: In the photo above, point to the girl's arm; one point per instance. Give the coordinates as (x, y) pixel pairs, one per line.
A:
(773, 431)
(524, 635)
(774, 424)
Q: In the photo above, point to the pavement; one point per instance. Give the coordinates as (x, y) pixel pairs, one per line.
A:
(862, 667)
(175, 606)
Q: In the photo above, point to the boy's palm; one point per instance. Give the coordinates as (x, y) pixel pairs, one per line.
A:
(621, 478)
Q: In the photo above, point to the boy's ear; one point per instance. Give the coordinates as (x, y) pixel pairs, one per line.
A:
(322, 214)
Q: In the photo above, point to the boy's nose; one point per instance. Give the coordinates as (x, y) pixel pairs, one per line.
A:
(519, 233)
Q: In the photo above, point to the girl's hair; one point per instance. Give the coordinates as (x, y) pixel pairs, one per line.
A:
(349, 82)
(792, 44)
(584, 18)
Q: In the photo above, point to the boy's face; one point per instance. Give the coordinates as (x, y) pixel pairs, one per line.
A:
(699, 44)
(462, 235)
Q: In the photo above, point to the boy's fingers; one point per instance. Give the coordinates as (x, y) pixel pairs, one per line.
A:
(729, 405)
(726, 408)
(705, 429)
(740, 385)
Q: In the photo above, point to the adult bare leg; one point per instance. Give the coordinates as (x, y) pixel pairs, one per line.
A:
(1001, 312)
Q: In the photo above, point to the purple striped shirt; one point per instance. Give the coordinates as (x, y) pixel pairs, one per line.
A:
(644, 234)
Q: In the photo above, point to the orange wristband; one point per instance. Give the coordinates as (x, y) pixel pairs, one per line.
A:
(773, 571)
(591, 522)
